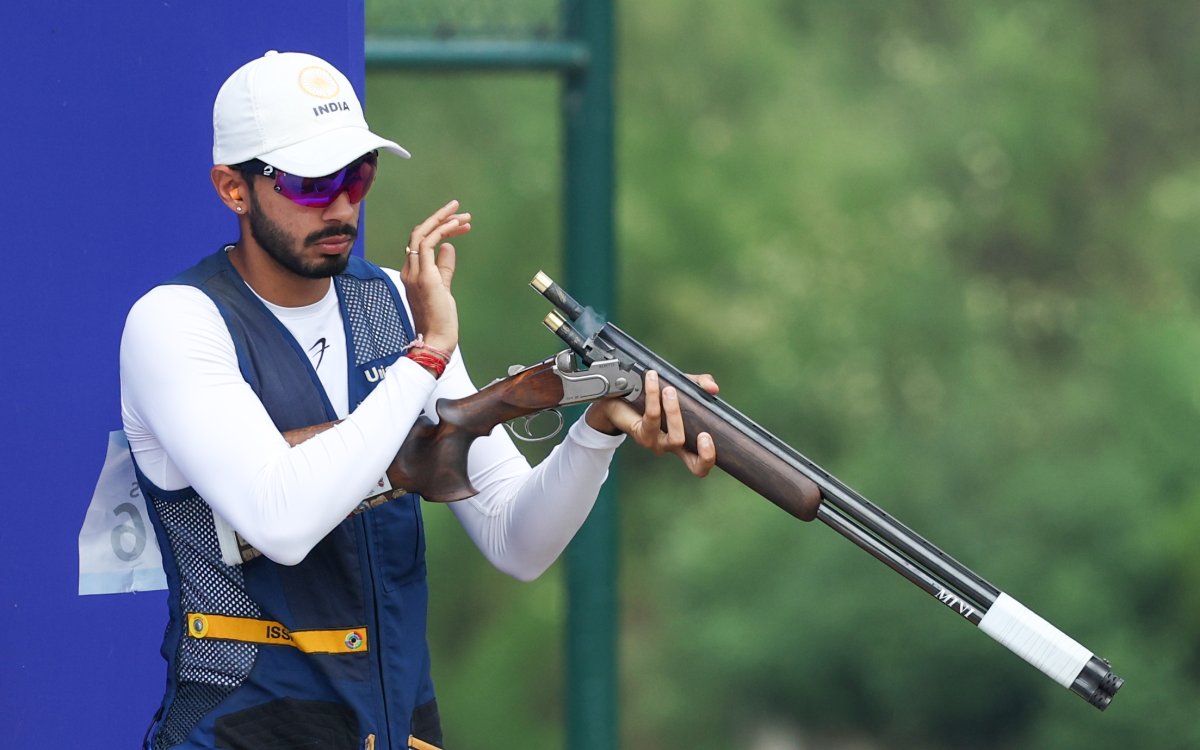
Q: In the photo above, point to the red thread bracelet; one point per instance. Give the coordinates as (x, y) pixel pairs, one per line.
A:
(420, 343)
(428, 360)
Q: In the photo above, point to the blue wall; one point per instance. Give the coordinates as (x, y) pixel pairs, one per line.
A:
(107, 137)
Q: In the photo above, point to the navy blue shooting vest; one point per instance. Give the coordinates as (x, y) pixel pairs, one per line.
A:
(325, 653)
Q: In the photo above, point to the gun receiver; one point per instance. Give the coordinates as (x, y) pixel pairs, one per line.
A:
(787, 478)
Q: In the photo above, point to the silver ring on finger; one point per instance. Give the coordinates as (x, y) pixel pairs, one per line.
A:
(410, 251)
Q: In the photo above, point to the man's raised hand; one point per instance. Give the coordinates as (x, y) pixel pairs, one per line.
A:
(427, 273)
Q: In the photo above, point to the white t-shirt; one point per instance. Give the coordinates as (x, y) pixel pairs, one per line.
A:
(192, 420)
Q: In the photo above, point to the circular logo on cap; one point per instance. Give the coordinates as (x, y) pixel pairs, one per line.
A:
(318, 82)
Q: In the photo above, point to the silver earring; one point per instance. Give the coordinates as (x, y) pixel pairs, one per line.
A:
(239, 209)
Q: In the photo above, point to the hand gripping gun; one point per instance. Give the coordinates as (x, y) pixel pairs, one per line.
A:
(779, 473)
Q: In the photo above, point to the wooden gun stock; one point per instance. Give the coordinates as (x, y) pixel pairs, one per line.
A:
(432, 461)
(433, 458)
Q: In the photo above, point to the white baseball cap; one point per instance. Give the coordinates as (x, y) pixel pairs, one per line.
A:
(295, 112)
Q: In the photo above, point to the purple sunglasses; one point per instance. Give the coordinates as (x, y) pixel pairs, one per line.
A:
(354, 179)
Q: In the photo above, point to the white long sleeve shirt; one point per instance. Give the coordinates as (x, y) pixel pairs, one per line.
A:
(192, 420)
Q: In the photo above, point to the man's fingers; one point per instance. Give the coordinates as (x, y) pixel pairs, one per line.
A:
(651, 394)
(674, 432)
(439, 216)
(441, 225)
(707, 382)
(430, 240)
(447, 260)
(702, 461)
(462, 225)
(672, 440)
(649, 427)
(453, 226)
(428, 269)
(660, 427)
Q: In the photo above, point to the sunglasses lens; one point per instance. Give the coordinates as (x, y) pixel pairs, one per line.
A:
(318, 192)
(359, 181)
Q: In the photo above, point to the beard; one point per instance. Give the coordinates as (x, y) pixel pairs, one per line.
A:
(281, 246)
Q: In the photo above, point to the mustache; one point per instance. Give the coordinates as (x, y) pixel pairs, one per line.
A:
(337, 230)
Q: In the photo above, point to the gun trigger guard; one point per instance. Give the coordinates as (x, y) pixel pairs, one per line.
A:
(525, 421)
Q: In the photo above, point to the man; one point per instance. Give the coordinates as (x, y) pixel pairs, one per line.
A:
(321, 641)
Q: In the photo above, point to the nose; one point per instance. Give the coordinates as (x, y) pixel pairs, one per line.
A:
(341, 210)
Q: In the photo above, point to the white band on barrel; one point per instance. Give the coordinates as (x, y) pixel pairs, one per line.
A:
(1036, 641)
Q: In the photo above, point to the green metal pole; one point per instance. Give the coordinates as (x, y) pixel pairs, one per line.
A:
(585, 59)
(475, 54)
(591, 649)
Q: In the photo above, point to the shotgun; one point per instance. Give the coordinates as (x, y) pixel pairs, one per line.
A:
(602, 361)
(790, 480)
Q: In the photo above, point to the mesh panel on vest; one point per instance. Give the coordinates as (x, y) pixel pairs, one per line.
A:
(374, 322)
(209, 669)
(192, 702)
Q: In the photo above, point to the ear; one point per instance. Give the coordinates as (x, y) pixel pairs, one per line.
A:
(229, 185)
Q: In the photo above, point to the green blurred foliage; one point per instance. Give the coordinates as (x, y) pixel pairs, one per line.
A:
(947, 250)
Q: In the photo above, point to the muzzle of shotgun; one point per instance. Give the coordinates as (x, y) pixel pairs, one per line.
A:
(1097, 684)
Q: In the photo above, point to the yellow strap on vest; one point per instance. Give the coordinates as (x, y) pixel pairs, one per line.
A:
(250, 630)
(416, 744)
